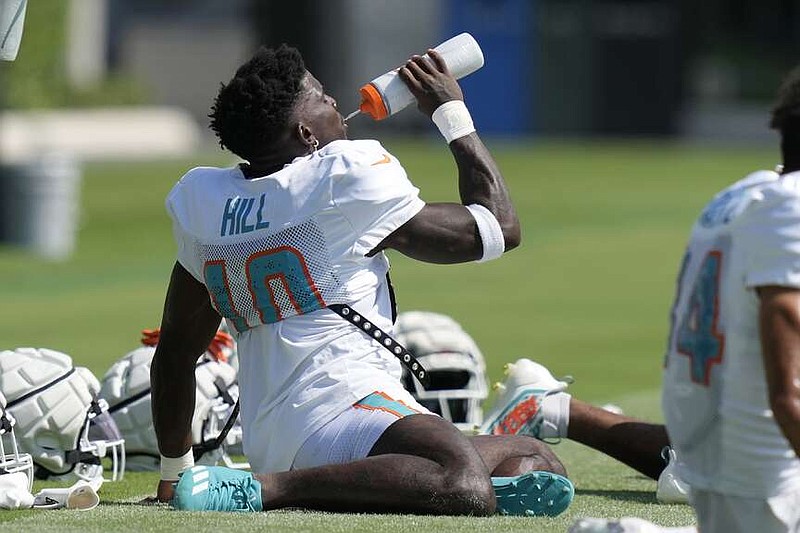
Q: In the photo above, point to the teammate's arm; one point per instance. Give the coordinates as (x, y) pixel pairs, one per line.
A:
(187, 327)
(779, 322)
(448, 232)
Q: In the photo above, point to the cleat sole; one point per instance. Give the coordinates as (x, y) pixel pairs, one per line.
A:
(533, 494)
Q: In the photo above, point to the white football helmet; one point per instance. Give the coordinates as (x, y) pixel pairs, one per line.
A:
(60, 420)
(455, 366)
(11, 460)
(126, 387)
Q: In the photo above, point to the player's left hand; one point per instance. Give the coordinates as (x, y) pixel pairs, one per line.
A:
(164, 494)
(165, 491)
(430, 82)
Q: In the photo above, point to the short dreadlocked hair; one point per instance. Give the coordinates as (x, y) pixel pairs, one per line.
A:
(251, 111)
(786, 110)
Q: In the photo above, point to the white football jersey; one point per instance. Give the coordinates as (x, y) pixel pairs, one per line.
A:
(273, 252)
(715, 398)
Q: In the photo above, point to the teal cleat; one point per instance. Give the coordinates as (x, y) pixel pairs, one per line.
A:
(216, 488)
(533, 494)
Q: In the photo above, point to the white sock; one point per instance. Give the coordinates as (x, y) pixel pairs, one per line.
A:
(555, 415)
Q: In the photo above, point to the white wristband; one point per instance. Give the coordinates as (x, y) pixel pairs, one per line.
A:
(494, 244)
(171, 467)
(453, 120)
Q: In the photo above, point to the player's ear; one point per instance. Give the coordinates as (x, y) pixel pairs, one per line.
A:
(306, 136)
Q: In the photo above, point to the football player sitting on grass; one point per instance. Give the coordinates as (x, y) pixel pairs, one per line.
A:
(288, 247)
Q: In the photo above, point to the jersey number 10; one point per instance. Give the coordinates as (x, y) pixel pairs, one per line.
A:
(278, 282)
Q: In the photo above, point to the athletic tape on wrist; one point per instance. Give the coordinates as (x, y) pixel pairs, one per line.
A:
(171, 467)
(491, 233)
(453, 120)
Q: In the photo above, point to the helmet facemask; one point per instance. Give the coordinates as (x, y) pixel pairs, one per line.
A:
(457, 388)
(11, 460)
(101, 438)
(99, 441)
(453, 362)
(215, 415)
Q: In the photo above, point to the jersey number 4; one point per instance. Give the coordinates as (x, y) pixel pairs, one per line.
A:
(278, 282)
(698, 336)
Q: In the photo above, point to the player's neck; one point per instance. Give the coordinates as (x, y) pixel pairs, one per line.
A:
(790, 164)
(264, 166)
(790, 150)
(790, 168)
(251, 171)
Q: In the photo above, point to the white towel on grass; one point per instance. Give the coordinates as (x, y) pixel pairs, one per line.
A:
(14, 491)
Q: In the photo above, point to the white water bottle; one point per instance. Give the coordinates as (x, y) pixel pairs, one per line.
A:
(387, 94)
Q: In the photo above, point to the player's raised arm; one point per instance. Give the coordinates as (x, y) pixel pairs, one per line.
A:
(485, 224)
(187, 327)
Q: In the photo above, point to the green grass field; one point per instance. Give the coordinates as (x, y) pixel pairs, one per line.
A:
(587, 294)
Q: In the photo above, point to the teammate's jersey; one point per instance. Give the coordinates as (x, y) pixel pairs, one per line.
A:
(715, 397)
(273, 252)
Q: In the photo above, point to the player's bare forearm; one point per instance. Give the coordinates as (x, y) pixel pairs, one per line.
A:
(448, 233)
(479, 178)
(779, 321)
(173, 396)
(480, 182)
(187, 327)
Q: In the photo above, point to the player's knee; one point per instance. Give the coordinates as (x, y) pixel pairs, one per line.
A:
(470, 494)
(548, 462)
(517, 466)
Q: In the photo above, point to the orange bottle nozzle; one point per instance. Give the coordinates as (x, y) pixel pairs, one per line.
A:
(372, 103)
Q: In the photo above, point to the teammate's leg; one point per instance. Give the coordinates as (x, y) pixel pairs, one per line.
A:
(532, 402)
(636, 443)
(736, 514)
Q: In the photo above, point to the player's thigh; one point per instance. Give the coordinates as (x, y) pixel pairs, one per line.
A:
(430, 436)
(720, 513)
(352, 434)
(383, 422)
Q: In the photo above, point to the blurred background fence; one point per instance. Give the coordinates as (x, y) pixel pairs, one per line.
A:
(559, 67)
(116, 79)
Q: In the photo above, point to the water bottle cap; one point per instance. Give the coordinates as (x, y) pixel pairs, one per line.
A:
(372, 103)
